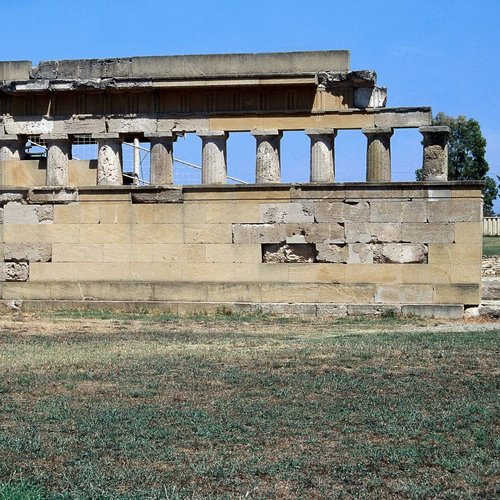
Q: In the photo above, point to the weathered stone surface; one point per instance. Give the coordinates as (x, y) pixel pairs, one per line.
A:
(315, 233)
(438, 311)
(285, 310)
(384, 232)
(109, 163)
(331, 79)
(161, 157)
(398, 211)
(360, 253)
(322, 158)
(83, 124)
(213, 162)
(378, 154)
(268, 166)
(373, 310)
(9, 197)
(131, 125)
(27, 252)
(329, 211)
(356, 211)
(331, 310)
(49, 195)
(368, 97)
(435, 157)
(26, 125)
(400, 253)
(428, 233)
(58, 154)
(14, 271)
(15, 213)
(358, 232)
(404, 294)
(45, 213)
(456, 210)
(259, 233)
(12, 147)
(332, 253)
(172, 195)
(288, 253)
(271, 213)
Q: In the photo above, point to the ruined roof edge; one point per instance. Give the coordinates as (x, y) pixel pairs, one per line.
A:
(180, 66)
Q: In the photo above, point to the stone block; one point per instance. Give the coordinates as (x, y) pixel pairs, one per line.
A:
(466, 273)
(290, 292)
(155, 233)
(457, 294)
(455, 210)
(259, 233)
(288, 310)
(27, 252)
(399, 253)
(437, 311)
(131, 125)
(14, 271)
(207, 233)
(51, 195)
(300, 252)
(491, 288)
(121, 290)
(168, 253)
(315, 233)
(165, 195)
(425, 273)
(404, 294)
(356, 211)
(373, 309)
(42, 233)
(373, 273)
(107, 233)
(332, 253)
(263, 272)
(316, 273)
(272, 213)
(63, 252)
(455, 253)
(53, 271)
(11, 197)
(15, 213)
(45, 214)
(398, 211)
(81, 124)
(329, 211)
(181, 291)
(234, 292)
(25, 290)
(331, 310)
(115, 213)
(431, 232)
(360, 253)
(469, 232)
(235, 212)
(357, 232)
(210, 272)
(315, 192)
(346, 293)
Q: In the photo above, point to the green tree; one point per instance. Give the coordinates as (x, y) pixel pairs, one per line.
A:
(466, 156)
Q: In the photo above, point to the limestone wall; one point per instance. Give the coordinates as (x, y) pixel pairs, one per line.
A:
(337, 246)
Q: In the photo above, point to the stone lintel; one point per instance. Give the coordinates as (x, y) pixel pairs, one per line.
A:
(167, 134)
(54, 137)
(320, 131)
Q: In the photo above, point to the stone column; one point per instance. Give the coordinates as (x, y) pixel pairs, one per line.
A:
(109, 165)
(378, 154)
(435, 162)
(58, 156)
(268, 167)
(12, 147)
(322, 154)
(161, 157)
(213, 164)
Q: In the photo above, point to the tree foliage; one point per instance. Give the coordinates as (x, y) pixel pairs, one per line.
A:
(466, 155)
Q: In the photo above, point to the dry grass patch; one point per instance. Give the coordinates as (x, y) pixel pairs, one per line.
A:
(140, 406)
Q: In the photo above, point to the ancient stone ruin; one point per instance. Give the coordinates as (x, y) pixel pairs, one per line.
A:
(78, 233)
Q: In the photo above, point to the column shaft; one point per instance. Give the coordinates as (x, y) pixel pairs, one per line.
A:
(58, 155)
(322, 161)
(435, 157)
(11, 147)
(109, 166)
(268, 166)
(378, 154)
(161, 157)
(213, 165)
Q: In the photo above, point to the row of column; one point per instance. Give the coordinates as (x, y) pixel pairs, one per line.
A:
(214, 157)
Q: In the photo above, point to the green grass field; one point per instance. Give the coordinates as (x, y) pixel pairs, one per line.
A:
(491, 245)
(131, 406)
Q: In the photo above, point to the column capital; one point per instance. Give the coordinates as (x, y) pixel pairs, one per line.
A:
(267, 133)
(168, 134)
(10, 138)
(375, 131)
(211, 133)
(434, 129)
(106, 135)
(320, 131)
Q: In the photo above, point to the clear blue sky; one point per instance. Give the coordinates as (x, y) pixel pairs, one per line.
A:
(440, 53)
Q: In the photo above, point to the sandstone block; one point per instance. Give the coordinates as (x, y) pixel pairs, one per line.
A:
(438, 311)
(373, 273)
(357, 232)
(50, 195)
(404, 294)
(399, 253)
(290, 292)
(315, 233)
(331, 310)
(457, 294)
(27, 252)
(166, 195)
(398, 211)
(45, 213)
(271, 213)
(332, 253)
(155, 233)
(469, 232)
(373, 309)
(431, 232)
(259, 233)
(10, 197)
(329, 211)
(207, 233)
(316, 273)
(235, 212)
(62, 252)
(234, 292)
(126, 125)
(356, 211)
(455, 210)
(466, 273)
(14, 271)
(285, 310)
(346, 293)
(288, 253)
(360, 253)
(15, 213)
